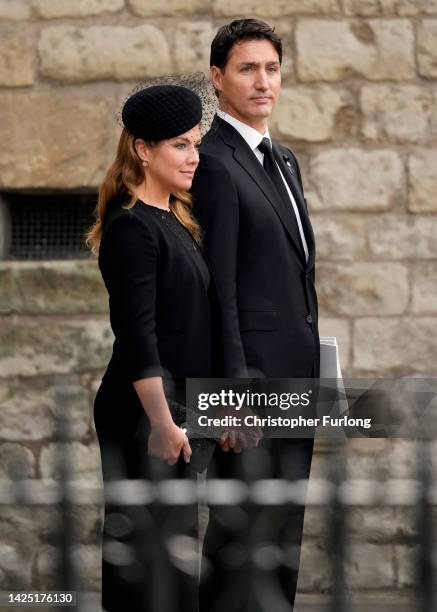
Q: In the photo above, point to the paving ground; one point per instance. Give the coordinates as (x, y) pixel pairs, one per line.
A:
(359, 603)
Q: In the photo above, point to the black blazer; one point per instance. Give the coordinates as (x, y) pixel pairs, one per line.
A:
(266, 288)
(160, 296)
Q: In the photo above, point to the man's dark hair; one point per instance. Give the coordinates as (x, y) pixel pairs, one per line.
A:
(238, 31)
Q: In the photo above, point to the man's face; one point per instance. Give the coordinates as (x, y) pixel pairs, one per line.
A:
(250, 82)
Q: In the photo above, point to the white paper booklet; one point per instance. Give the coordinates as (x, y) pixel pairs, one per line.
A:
(330, 367)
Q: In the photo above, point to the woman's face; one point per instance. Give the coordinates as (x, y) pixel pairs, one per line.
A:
(172, 162)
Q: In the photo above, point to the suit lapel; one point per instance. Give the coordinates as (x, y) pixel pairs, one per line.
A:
(246, 158)
(293, 183)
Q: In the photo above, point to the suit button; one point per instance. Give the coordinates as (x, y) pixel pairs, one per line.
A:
(309, 319)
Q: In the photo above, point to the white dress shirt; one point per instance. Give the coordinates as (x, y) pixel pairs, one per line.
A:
(253, 139)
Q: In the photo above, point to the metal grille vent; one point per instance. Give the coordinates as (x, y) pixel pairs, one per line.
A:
(49, 226)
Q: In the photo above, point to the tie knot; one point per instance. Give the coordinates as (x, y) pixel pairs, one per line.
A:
(265, 147)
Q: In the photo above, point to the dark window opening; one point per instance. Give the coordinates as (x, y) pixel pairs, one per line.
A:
(48, 225)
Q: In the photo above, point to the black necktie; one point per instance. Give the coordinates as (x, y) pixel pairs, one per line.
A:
(272, 170)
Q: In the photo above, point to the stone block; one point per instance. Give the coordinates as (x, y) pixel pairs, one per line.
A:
(27, 526)
(87, 521)
(427, 48)
(192, 41)
(398, 346)
(373, 49)
(16, 58)
(424, 288)
(310, 114)
(61, 287)
(53, 9)
(403, 237)
(365, 466)
(339, 237)
(46, 121)
(86, 562)
(363, 8)
(422, 175)
(47, 567)
(15, 567)
(73, 55)
(14, 10)
(402, 459)
(31, 527)
(284, 28)
(16, 462)
(36, 347)
(339, 180)
(372, 524)
(314, 554)
(280, 8)
(389, 8)
(361, 288)
(370, 566)
(407, 523)
(366, 446)
(339, 328)
(407, 559)
(84, 460)
(398, 113)
(171, 8)
(415, 7)
(320, 464)
(316, 523)
(30, 408)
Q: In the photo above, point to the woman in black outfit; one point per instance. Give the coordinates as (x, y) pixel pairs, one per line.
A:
(162, 312)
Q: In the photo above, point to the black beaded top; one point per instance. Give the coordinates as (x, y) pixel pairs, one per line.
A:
(170, 220)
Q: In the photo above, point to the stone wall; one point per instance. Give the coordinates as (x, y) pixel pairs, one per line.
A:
(359, 109)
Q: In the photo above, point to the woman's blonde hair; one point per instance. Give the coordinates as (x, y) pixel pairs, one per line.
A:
(126, 173)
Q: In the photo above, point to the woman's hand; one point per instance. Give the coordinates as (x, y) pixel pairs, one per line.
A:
(166, 441)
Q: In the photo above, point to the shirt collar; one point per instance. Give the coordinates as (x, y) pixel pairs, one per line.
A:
(250, 135)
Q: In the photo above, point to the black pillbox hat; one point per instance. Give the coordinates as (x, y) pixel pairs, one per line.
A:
(161, 111)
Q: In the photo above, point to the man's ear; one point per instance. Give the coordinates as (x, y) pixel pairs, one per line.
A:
(216, 78)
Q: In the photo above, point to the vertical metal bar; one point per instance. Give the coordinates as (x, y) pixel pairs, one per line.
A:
(425, 569)
(337, 530)
(66, 572)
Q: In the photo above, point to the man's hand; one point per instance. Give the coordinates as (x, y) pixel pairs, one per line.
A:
(242, 437)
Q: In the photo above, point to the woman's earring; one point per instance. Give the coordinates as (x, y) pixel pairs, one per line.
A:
(145, 163)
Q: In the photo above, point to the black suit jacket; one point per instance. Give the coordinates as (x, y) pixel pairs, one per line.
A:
(163, 306)
(265, 286)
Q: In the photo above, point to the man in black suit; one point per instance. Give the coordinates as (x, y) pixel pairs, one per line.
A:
(249, 199)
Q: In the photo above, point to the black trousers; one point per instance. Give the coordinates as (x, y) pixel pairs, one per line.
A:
(150, 547)
(251, 550)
